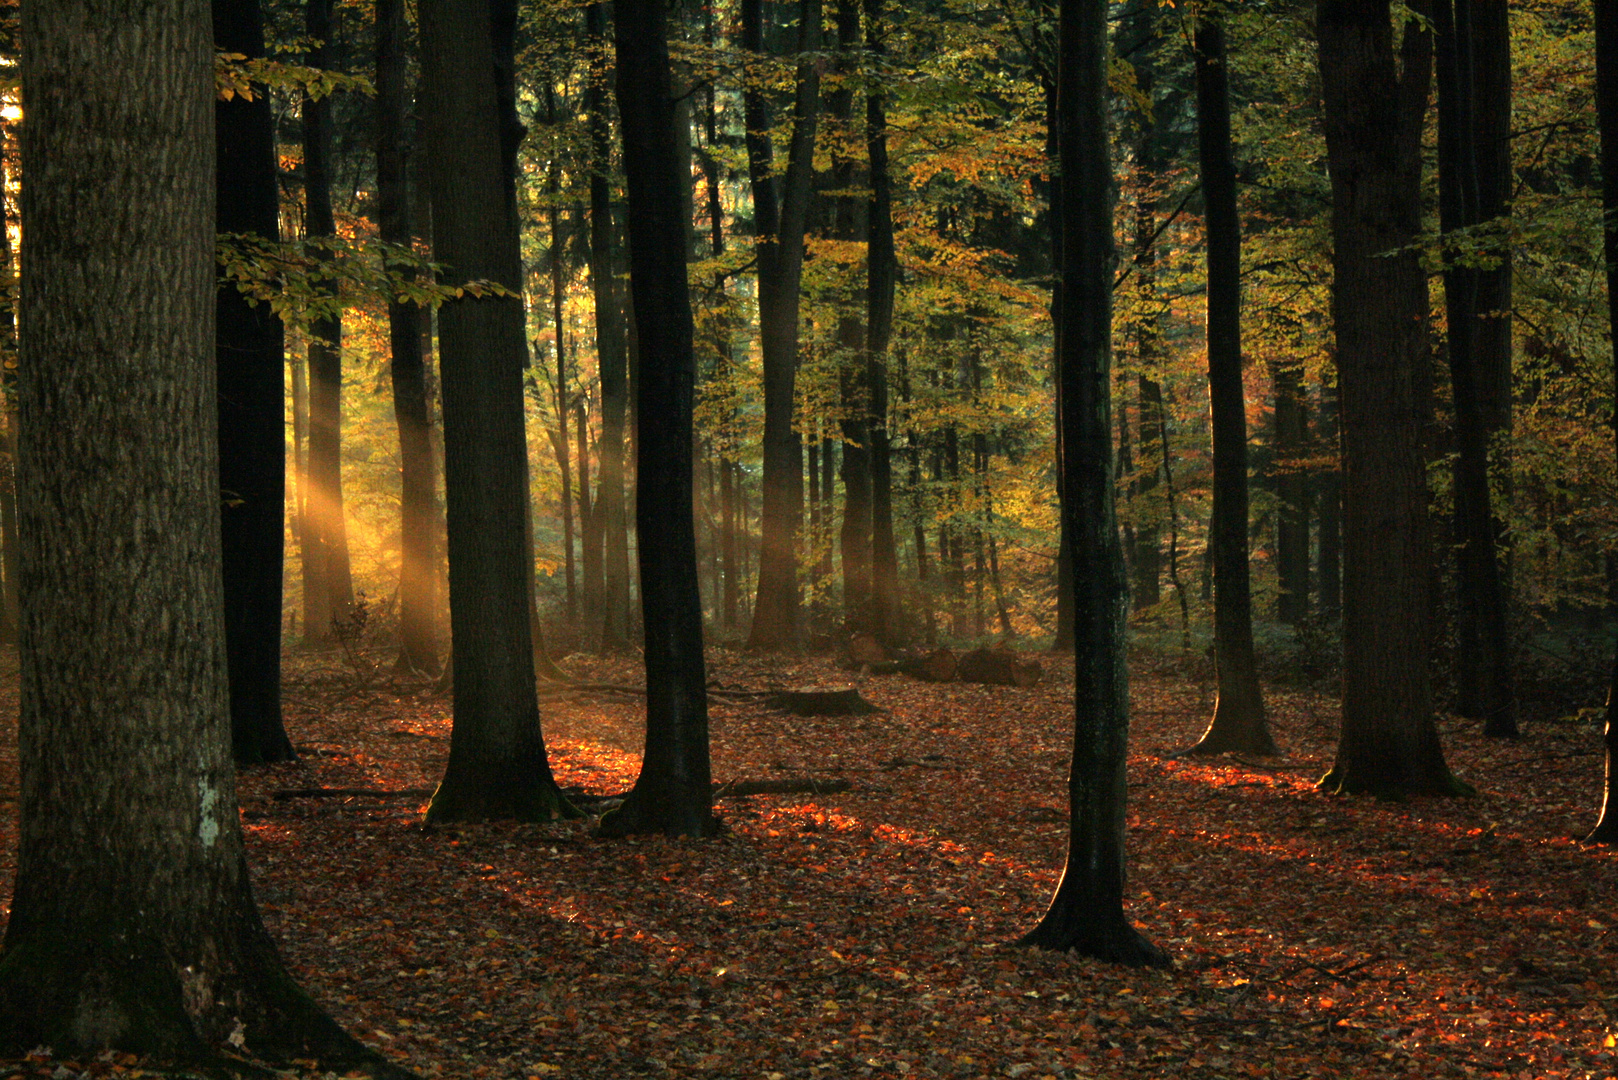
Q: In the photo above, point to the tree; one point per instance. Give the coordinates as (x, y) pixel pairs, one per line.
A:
(1086, 914)
(780, 213)
(1606, 19)
(674, 792)
(132, 922)
(329, 589)
(249, 359)
(418, 645)
(1238, 720)
(1375, 98)
(497, 765)
(1483, 649)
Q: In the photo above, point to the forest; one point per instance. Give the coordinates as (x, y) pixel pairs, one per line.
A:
(808, 538)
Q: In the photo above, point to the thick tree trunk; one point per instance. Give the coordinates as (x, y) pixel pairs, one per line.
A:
(418, 532)
(1238, 720)
(1483, 653)
(497, 764)
(673, 793)
(779, 219)
(132, 923)
(1606, 19)
(1086, 914)
(1375, 101)
(612, 347)
(252, 420)
(329, 591)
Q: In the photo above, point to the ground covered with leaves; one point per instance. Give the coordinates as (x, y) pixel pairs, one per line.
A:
(865, 933)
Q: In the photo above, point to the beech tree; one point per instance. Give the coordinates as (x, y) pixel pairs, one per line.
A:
(1375, 97)
(132, 923)
(674, 792)
(249, 360)
(1087, 915)
(497, 764)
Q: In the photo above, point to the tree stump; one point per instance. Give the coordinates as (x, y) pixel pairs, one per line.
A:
(998, 667)
(821, 701)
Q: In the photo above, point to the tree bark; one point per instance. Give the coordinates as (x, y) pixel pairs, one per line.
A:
(132, 923)
(1606, 20)
(252, 422)
(887, 611)
(674, 792)
(612, 348)
(1086, 914)
(1375, 101)
(1238, 721)
(1483, 653)
(497, 765)
(418, 533)
(779, 218)
(329, 591)
(1291, 436)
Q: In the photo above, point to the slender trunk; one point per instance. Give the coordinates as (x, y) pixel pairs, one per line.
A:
(1292, 491)
(673, 793)
(1238, 721)
(418, 555)
(563, 458)
(1375, 101)
(9, 541)
(881, 278)
(727, 540)
(779, 220)
(1330, 500)
(590, 568)
(1086, 914)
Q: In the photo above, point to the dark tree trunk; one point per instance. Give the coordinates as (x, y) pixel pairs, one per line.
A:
(252, 420)
(1238, 720)
(418, 555)
(592, 583)
(674, 793)
(1292, 491)
(887, 615)
(1329, 498)
(1086, 914)
(329, 589)
(1375, 101)
(132, 923)
(1606, 19)
(497, 765)
(612, 347)
(9, 613)
(564, 460)
(1483, 653)
(779, 219)
(1148, 591)
(1062, 640)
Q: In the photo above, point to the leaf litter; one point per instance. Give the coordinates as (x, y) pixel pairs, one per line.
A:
(866, 933)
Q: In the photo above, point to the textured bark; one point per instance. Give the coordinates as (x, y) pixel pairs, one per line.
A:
(132, 922)
(1086, 914)
(1238, 721)
(252, 421)
(329, 592)
(1606, 19)
(1375, 101)
(1483, 649)
(612, 347)
(497, 764)
(674, 792)
(780, 213)
(418, 534)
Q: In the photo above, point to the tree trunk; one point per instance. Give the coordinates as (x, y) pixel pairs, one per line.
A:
(674, 792)
(592, 584)
(1375, 101)
(497, 765)
(1086, 914)
(252, 411)
(1329, 498)
(1238, 720)
(132, 923)
(887, 615)
(1606, 19)
(1062, 640)
(1483, 653)
(1292, 491)
(779, 220)
(612, 348)
(418, 533)
(564, 460)
(329, 592)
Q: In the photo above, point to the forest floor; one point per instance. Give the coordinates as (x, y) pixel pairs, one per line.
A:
(866, 933)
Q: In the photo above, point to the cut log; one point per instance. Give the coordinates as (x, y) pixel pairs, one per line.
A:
(863, 651)
(937, 666)
(821, 701)
(999, 667)
(736, 789)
